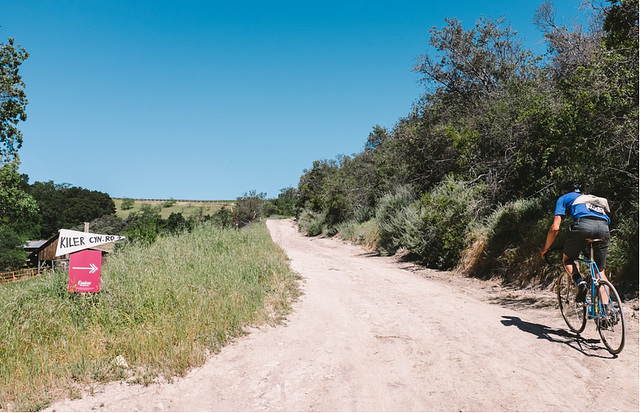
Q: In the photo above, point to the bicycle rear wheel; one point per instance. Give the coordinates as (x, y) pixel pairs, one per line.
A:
(574, 313)
(611, 326)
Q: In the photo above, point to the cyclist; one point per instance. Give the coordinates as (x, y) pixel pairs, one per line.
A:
(590, 220)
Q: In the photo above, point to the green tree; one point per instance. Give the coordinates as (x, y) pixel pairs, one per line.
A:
(127, 203)
(311, 185)
(144, 226)
(285, 203)
(13, 99)
(64, 206)
(18, 217)
(176, 223)
(18, 209)
(478, 86)
(12, 253)
(474, 64)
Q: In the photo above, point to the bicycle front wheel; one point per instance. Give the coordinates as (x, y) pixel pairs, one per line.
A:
(574, 313)
(611, 326)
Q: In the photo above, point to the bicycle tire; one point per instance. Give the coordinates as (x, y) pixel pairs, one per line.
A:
(574, 313)
(611, 326)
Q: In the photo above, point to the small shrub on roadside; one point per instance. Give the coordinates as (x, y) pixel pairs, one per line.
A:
(311, 223)
(250, 207)
(446, 214)
(361, 233)
(396, 215)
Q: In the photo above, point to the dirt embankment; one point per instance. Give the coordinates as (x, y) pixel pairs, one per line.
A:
(374, 334)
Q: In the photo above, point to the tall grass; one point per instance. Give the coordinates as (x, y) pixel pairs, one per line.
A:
(506, 244)
(162, 309)
(360, 233)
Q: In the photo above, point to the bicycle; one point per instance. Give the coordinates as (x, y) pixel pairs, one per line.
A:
(602, 303)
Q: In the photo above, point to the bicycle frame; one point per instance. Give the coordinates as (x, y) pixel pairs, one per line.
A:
(602, 304)
(594, 302)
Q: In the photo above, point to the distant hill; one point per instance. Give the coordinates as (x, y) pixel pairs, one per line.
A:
(167, 206)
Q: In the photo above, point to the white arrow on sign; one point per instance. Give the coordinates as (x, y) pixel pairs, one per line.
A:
(92, 268)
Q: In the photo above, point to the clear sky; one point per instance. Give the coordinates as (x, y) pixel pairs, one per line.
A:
(206, 100)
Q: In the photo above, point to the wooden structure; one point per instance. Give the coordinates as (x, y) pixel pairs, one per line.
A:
(45, 255)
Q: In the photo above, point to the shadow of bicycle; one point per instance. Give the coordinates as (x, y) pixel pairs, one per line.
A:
(588, 347)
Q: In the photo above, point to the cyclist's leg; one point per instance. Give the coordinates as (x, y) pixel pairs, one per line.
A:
(573, 246)
(600, 256)
(571, 267)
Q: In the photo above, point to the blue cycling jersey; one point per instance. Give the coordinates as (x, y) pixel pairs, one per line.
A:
(566, 206)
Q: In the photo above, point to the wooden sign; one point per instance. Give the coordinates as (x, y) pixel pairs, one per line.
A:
(71, 241)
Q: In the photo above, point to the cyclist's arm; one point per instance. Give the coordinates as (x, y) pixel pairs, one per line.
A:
(551, 235)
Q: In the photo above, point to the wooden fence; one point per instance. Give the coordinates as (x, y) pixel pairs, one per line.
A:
(19, 275)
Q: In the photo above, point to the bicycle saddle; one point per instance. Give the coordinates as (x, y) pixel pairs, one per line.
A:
(593, 241)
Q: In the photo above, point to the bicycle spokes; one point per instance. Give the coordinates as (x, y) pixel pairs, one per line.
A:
(610, 319)
(573, 312)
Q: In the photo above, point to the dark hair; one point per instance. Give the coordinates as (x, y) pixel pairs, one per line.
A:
(572, 186)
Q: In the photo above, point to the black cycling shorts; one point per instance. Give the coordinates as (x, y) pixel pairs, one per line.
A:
(588, 228)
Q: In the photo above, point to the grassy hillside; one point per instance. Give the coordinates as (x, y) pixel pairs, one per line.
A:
(166, 207)
(161, 310)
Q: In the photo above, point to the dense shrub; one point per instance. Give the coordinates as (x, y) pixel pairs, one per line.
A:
(285, 204)
(446, 213)
(311, 223)
(507, 242)
(622, 261)
(361, 233)
(250, 207)
(223, 218)
(144, 226)
(398, 220)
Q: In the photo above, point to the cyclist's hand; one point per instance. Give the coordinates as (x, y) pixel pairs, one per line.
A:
(543, 252)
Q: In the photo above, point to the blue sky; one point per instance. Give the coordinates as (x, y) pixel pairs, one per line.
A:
(208, 99)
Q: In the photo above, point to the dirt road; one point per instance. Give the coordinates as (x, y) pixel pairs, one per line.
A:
(375, 334)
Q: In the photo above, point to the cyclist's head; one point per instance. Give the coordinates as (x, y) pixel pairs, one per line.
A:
(571, 186)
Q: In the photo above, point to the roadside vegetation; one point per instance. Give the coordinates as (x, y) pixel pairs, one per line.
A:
(468, 180)
(162, 308)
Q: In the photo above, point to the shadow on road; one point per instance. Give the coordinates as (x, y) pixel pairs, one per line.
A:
(588, 347)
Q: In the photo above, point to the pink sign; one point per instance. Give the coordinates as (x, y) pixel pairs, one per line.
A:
(84, 271)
